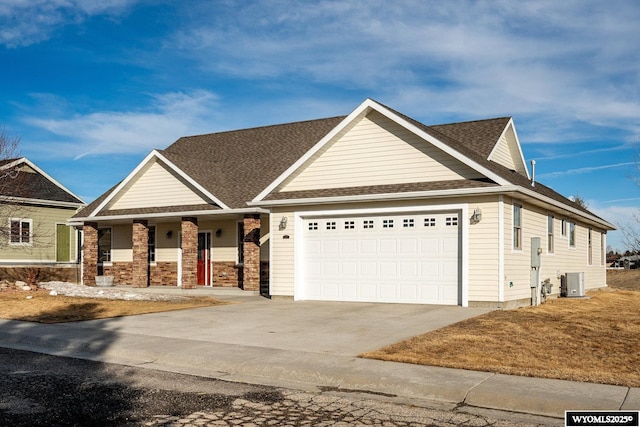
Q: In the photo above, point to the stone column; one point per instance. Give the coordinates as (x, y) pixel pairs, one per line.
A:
(251, 274)
(189, 253)
(90, 253)
(140, 244)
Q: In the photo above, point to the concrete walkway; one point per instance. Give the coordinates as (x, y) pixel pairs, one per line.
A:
(310, 346)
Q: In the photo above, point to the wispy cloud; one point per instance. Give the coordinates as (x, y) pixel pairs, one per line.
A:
(584, 170)
(24, 22)
(168, 117)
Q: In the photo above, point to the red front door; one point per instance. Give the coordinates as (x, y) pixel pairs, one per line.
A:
(204, 258)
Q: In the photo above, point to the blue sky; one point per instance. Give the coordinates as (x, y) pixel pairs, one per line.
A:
(91, 86)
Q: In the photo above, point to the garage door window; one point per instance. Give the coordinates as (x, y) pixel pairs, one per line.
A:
(387, 223)
(349, 225)
(429, 222)
(408, 223)
(331, 225)
(451, 221)
(367, 223)
(313, 226)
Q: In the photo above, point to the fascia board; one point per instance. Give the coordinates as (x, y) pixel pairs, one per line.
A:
(442, 146)
(252, 210)
(41, 172)
(153, 154)
(566, 207)
(511, 125)
(361, 109)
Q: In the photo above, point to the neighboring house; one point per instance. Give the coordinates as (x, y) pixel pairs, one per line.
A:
(373, 206)
(35, 209)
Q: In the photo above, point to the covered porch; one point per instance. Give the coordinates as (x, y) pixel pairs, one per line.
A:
(186, 249)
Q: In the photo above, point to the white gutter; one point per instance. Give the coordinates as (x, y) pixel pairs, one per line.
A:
(168, 215)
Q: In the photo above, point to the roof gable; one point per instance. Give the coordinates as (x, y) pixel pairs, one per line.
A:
(375, 150)
(507, 151)
(21, 179)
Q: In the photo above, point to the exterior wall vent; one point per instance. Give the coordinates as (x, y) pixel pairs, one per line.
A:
(572, 285)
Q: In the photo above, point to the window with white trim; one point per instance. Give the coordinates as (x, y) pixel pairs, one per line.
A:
(387, 223)
(313, 226)
(152, 243)
(451, 221)
(331, 225)
(517, 226)
(563, 227)
(349, 225)
(603, 251)
(20, 231)
(572, 234)
(367, 223)
(590, 243)
(407, 223)
(429, 222)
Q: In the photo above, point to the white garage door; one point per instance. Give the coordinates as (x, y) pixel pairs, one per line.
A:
(411, 258)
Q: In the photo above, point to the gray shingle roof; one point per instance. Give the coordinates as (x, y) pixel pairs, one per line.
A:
(33, 185)
(236, 166)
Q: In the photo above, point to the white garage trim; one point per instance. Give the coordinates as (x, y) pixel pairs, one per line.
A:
(463, 209)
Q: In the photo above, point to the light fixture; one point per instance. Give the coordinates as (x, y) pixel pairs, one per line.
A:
(477, 215)
(219, 232)
(169, 234)
(283, 223)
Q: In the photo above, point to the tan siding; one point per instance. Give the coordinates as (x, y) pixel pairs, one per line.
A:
(282, 251)
(564, 259)
(362, 157)
(167, 248)
(483, 251)
(156, 187)
(121, 241)
(507, 152)
(43, 245)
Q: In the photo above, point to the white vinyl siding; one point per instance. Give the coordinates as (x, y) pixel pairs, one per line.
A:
(361, 158)
(156, 186)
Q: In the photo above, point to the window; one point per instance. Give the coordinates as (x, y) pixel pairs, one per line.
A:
(429, 222)
(590, 243)
(407, 223)
(572, 235)
(387, 223)
(603, 252)
(451, 221)
(517, 227)
(349, 225)
(550, 234)
(331, 225)
(20, 231)
(104, 244)
(152, 243)
(563, 226)
(313, 226)
(368, 223)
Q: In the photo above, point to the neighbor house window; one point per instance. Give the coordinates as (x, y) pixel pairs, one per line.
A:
(152, 243)
(20, 231)
(104, 245)
(572, 234)
(550, 234)
(517, 227)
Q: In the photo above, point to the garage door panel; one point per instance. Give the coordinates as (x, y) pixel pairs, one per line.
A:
(385, 258)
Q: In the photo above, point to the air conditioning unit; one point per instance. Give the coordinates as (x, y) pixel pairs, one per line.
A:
(572, 285)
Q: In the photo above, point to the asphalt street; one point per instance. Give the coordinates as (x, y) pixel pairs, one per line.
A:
(44, 390)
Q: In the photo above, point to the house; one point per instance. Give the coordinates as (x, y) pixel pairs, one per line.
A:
(35, 208)
(373, 206)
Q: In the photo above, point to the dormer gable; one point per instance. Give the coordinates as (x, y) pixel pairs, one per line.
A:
(507, 151)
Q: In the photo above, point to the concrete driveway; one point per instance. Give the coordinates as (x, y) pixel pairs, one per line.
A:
(336, 328)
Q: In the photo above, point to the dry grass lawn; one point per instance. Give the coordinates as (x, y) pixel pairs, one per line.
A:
(45, 308)
(590, 340)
